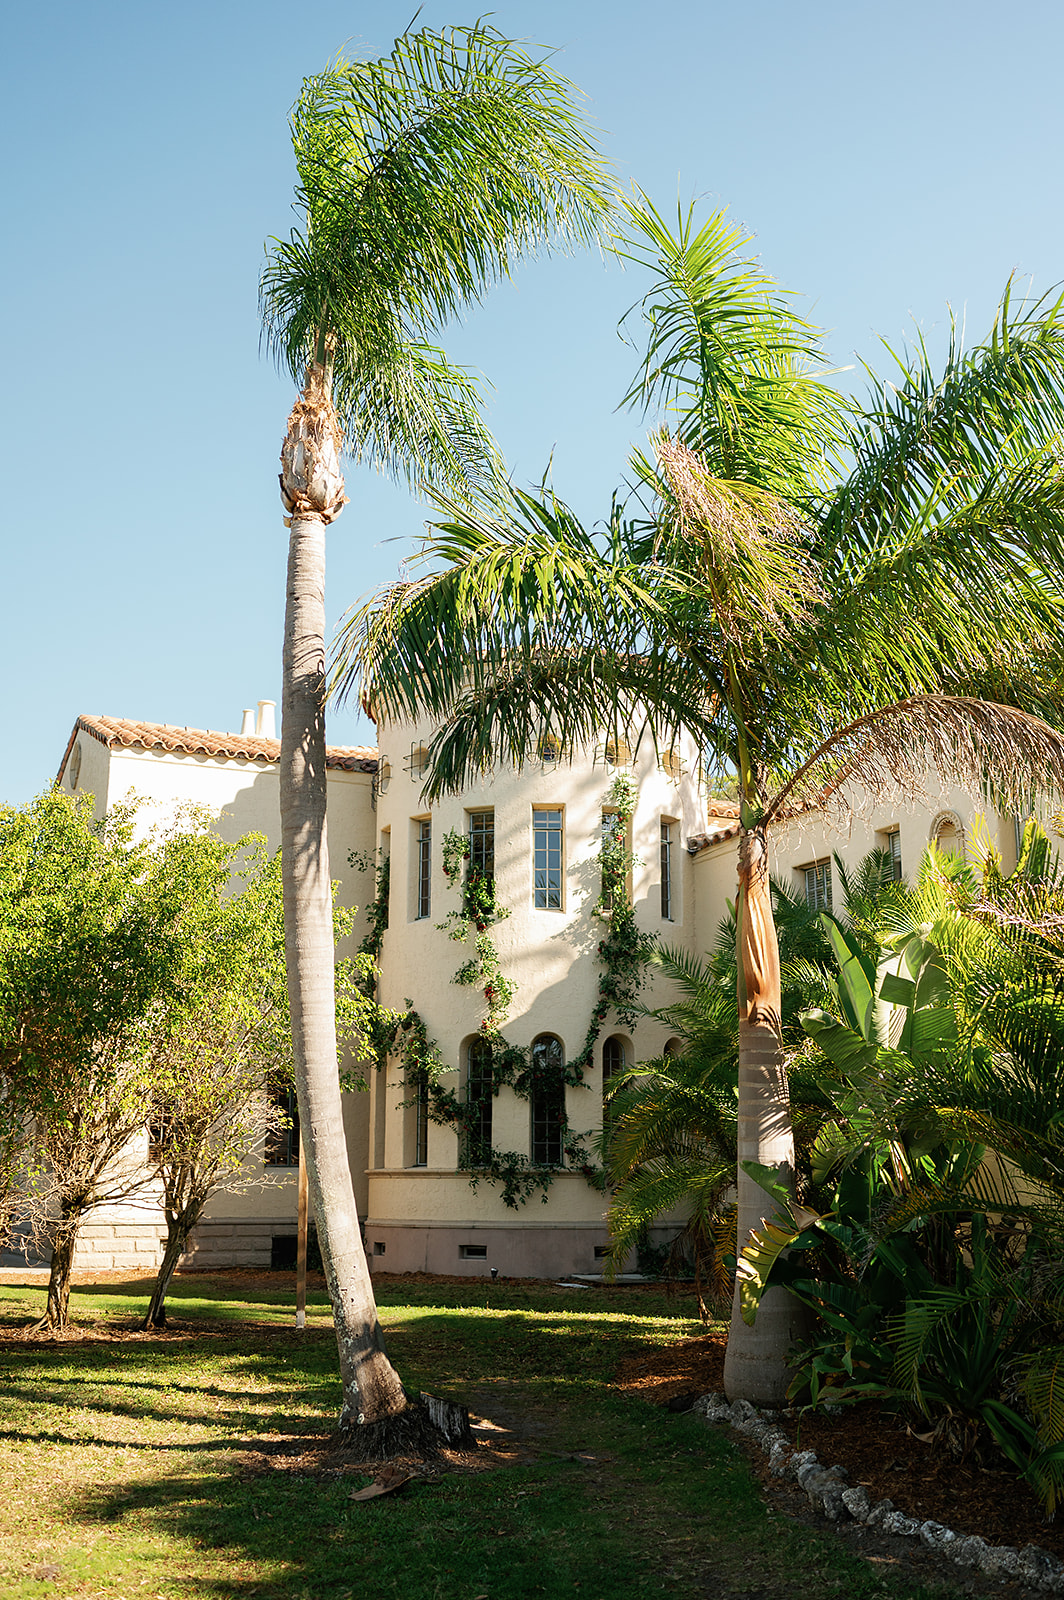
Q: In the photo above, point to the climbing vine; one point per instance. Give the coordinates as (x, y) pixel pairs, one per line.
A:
(377, 910)
(478, 911)
(622, 951)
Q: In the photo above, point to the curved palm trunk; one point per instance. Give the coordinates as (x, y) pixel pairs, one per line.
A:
(754, 1368)
(313, 491)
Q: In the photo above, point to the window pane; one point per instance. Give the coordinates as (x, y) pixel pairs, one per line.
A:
(547, 860)
(482, 844)
(479, 1086)
(424, 868)
(818, 885)
(282, 1144)
(548, 1101)
(666, 871)
(894, 846)
(421, 1120)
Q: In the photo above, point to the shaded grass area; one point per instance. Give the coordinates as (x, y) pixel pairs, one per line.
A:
(142, 1466)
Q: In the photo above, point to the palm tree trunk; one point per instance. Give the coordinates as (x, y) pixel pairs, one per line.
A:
(755, 1365)
(313, 490)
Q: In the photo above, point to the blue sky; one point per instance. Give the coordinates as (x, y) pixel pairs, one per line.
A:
(891, 161)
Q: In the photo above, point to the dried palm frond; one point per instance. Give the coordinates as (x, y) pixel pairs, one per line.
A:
(748, 543)
(1005, 752)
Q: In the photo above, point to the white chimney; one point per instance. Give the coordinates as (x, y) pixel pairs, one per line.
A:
(264, 726)
(247, 725)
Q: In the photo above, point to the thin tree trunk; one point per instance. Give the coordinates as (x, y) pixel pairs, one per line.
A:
(755, 1364)
(178, 1228)
(57, 1312)
(313, 490)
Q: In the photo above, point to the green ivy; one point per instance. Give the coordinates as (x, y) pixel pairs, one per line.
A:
(623, 952)
(377, 910)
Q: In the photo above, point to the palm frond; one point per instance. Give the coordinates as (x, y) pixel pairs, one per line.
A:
(995, 749)
(423, 177)
(727, 352)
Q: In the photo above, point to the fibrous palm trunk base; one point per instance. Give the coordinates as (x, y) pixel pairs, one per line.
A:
(424, 1428)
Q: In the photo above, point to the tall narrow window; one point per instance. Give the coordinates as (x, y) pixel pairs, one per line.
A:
(482, 845)
(421, 1119)
(547, 860)
(282, 1144)
(894, 852)
(424, 869)
(480, 1084)
(613, 1064)
(548, 1101)
(818, 885)
(613, 841)
(666, 870)
(612, 1059)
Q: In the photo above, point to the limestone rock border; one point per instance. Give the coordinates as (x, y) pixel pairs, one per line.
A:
(830, 1493)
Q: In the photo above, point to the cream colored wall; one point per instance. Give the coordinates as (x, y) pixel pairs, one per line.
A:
(93, 776)
(243, 796)
(813, 838)
(551, 955)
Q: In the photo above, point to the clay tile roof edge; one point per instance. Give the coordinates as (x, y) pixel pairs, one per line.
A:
(121, 733)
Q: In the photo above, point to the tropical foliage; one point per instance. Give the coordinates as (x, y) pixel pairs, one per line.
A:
(422, 178)
(930, 1250)
(820, 592)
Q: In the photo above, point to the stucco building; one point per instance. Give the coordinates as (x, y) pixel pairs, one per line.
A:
(538, 834)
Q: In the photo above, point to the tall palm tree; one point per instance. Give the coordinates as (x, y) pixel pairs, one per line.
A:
(821, 593)
(423, 176)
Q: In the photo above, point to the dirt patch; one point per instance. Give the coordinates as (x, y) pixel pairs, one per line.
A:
(877, 1449)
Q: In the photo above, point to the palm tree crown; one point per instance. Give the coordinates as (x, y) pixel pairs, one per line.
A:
(821, 593)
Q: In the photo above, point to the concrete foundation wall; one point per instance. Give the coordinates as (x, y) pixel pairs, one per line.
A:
(528, 1250)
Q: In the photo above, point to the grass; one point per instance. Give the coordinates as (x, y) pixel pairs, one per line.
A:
(128, 1465)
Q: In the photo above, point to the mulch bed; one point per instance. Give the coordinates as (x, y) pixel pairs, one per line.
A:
(876, 1448)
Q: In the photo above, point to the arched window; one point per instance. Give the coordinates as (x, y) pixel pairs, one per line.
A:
(480, 1083)
(613, 1058)
(947, 833)
(548, 1100)
(673, 1047)
(614, 1062)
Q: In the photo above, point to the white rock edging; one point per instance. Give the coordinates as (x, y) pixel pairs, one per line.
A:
(829, 1493)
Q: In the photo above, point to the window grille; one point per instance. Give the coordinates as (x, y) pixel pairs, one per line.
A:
(617, 753)
(547, 860)
(818, 885)
(417, 762)
(672, 765)
(548, 1101)
(424, 869)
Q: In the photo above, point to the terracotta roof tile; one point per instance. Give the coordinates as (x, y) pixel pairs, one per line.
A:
(118, 733)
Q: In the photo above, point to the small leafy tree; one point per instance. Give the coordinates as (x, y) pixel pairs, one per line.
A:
(93, 932)
(211, 1067)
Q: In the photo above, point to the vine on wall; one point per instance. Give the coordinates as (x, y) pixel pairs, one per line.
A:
(622, 951)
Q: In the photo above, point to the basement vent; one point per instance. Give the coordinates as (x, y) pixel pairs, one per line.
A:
(601, 1251)
(379, 1247)
(473, 1252)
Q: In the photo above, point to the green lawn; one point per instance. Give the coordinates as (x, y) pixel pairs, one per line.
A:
(125, 1465)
